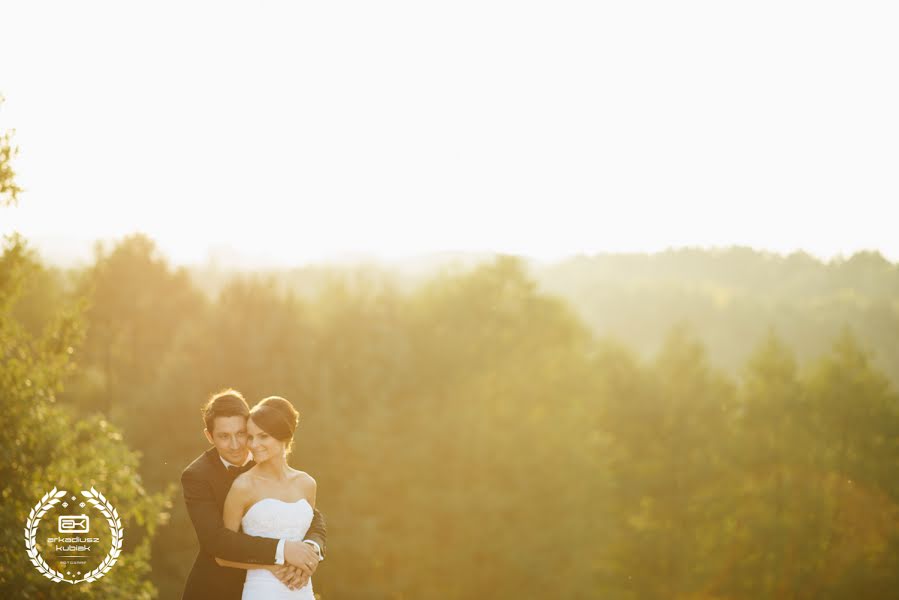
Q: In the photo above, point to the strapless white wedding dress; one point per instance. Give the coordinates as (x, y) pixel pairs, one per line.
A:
(275, 518)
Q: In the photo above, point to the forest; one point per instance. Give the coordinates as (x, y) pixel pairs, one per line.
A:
(692, 424)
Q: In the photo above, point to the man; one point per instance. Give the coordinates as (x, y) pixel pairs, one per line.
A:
(205, 483)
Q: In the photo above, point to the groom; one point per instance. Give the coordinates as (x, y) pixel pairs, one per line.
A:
(205, 483)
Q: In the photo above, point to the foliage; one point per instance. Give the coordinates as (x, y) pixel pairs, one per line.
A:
(472, 427)
(46, 445)
(9, 189)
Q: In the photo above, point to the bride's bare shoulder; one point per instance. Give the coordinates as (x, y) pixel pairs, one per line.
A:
(302, 477)
(306, 485)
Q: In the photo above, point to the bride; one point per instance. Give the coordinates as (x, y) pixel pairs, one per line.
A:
(271, 499)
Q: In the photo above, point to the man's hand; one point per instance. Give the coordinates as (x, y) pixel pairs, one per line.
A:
(291, 576)
(302, 556)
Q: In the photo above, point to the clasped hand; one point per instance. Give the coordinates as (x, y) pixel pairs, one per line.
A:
(300, 562)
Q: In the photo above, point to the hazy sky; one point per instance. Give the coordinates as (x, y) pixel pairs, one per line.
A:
(299, 130)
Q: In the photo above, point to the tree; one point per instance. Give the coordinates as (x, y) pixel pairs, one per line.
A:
(137, 305)
(45, 444)
(775, 528)
(499, 388)
(854, 419)
(9, 190)
(671, 426)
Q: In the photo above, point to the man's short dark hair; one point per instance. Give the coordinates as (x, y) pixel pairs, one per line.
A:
(226, 403)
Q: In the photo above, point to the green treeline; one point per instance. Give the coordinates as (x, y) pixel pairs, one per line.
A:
(731, 297)
(474, 437)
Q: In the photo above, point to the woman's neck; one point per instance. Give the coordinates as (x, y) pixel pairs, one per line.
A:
(274, 468)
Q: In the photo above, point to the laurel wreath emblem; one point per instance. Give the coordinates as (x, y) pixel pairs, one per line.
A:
(98, 501)
(34, 517)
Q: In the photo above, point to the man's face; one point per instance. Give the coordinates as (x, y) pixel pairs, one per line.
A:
(229, 436)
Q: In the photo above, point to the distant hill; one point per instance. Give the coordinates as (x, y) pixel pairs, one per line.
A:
(731, 297)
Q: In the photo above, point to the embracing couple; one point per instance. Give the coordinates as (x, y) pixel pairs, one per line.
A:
(260, 535)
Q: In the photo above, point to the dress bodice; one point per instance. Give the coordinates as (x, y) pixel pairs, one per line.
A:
(274, 518)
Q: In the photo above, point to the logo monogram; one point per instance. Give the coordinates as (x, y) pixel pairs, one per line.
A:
(74, 524)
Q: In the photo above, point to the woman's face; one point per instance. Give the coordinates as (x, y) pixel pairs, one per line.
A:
(262, 445)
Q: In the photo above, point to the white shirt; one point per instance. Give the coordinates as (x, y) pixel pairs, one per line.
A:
(227, 464)
(279, 552)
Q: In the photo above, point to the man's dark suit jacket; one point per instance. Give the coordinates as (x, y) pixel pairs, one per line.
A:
(205, 483)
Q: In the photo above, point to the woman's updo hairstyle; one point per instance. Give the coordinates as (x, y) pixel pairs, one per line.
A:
(277, 417)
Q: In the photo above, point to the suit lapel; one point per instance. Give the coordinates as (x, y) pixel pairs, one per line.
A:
(221, 482)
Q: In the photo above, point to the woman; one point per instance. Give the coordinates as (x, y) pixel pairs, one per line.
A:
(271, 499)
